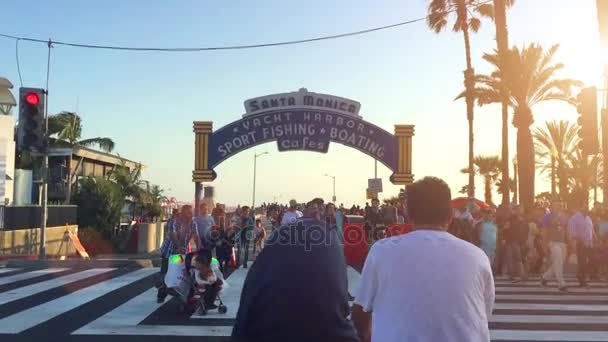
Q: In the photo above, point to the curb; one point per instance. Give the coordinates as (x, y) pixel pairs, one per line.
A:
(114, 263)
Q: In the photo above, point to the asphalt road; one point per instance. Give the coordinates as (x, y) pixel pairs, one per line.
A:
(114, 305)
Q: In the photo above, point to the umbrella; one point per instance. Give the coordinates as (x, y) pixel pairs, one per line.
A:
(462, 202)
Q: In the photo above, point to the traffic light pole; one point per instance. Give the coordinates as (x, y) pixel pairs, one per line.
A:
(604, 124)
(45, 161)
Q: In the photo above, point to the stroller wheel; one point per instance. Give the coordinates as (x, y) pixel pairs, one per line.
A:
(222, 309)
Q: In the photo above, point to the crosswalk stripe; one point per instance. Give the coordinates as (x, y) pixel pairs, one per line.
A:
(550, 307)
(549, 290)
(31, 317)
(124, 320)
(549, 319)
(558, 297)
(7, 270)
(26, 291)
(29, 275)
(548, 335)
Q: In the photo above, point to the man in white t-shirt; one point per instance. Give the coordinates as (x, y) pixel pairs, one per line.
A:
(292, 214)
(426, 285)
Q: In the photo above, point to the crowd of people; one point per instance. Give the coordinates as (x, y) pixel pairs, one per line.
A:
(435, 283)
(538, 242)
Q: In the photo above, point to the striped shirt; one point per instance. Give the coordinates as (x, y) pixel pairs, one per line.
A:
(168, 247)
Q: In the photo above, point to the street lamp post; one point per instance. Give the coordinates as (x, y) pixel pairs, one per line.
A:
(333, 199)
(255, 160)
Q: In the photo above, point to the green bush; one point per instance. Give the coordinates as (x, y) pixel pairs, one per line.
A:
(100, 202)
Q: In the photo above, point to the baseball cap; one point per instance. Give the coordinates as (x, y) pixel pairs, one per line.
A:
(293, 203)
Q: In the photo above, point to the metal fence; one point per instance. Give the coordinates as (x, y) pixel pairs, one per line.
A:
(27, 217)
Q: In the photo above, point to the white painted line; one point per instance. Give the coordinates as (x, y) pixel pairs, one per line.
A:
(353, 280)
(6, 270)
(128, 314)
(548, 335)
(39, 314)
(556, 297)
(231, 297)
(548, 290)
(124, 320)
(550, 319)
(29, 275)
(26, 291)
(162, 330)
(557, 307)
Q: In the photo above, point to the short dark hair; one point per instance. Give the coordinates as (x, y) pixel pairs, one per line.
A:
(204, 256)
(245, 207)
(429, 201)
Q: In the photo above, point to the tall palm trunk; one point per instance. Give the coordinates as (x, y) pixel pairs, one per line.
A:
(488, 189)
(553, 178)
(525, 157)
(469, 82)
(502, 42)
(562, 178)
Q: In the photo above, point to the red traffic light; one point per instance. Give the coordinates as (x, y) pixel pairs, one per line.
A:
(32, 99)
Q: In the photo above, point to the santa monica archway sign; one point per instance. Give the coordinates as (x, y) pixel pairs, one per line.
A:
(302, 121)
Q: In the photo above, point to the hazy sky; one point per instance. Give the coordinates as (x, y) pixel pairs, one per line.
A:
(146, 102)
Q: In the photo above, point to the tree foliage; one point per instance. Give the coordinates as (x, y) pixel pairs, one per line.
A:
(100, 202)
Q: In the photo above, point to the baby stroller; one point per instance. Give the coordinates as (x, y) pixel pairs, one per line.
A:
(197, 298)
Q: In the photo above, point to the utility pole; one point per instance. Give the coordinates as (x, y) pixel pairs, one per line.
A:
(502, 42)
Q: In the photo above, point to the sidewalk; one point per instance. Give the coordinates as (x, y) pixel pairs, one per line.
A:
(142, 260)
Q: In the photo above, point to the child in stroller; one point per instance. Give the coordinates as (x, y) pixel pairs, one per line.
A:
(207, 283)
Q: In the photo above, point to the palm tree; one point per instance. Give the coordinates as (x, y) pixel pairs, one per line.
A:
(65, 129)
(489, 169)
(437, 20)
(130, 184)
(554, 147)
(529, 75)
(580, 172)
(502, 44)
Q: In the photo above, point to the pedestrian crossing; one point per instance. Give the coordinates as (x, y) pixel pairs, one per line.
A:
(525, 311)
(82, 303)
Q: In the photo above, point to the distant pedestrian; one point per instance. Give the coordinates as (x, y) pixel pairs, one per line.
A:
(557, 237)
(426, 285)
(204, 225)
(486, 231)
(245, 235)
(580, 228)
(259, 234)
(292, 214)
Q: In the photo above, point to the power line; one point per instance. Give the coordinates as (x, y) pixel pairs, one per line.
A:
(229, 47)
(17, 58)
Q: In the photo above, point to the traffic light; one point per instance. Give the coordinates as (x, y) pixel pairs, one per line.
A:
(588, 132)
(30, 134)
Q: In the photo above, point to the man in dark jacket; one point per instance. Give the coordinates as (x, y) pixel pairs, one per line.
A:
(297, 289)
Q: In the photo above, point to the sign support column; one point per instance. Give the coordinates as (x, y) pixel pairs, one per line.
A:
(404, 134)
(201, 173)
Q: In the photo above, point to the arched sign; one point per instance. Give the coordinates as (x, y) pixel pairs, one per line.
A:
(302, 121)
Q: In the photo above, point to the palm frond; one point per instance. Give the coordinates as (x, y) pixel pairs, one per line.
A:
(105, 144)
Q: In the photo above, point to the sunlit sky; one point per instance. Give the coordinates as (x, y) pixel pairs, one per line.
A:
(146, 102)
